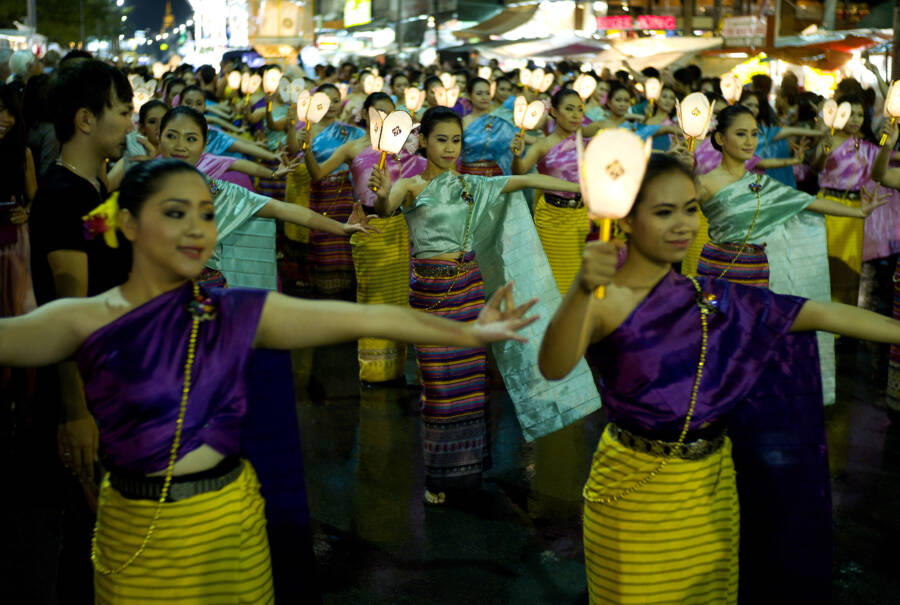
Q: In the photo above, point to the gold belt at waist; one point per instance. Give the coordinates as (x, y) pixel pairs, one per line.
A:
(439, 270)
(694, 450)
(844, 194)
(563, 202)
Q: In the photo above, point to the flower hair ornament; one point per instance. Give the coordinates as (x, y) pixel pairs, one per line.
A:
(103, 219)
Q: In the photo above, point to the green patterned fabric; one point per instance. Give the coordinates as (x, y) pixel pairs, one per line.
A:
(795, 244)
(507, 248)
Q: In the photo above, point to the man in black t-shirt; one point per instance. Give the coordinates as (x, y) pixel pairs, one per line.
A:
(51, 521)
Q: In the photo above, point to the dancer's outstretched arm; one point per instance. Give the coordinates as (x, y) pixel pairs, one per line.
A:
(293, 323)
(847, 320)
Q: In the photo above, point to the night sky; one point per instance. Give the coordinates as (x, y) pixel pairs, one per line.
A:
(149, 13)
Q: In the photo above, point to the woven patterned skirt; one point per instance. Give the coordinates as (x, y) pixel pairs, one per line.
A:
(210, 548)
(273, 188)
(294, 246)
(485, 168)
(674, 540)
(329, 254)
(455, 436)
(562, 232)
(893, 389)
(845, 246)
(750, 269)
(382, 277)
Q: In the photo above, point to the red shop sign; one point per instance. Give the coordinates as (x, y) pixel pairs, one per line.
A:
(655, 22)
(617, 22)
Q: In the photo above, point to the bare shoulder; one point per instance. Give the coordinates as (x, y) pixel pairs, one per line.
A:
(613, 309)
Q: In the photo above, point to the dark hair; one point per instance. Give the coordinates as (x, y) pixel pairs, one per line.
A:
(683, 75)
(193, 88)
(147, 107)
(75, 54)
(328, 86)
(714, 97)
(848, 86)
(765, 116)
(206, 73)
(761, 83)
(146, 178)
(433, 117)
(506, 79)
(184, 110)
(12, 147)
(370, 102)
(725, 119)
(167, 87)
(36, 106)
(431, 81)
(85, 84)
(614, 87)
(807, 106)
(858, 99)
(473, 82)
(650, 72)
(398, 74)
(659, 165)
(557, 98)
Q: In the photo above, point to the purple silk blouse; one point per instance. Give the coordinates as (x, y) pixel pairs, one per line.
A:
(648, 364)
(562, 162)
(133, 371)
(409, 165)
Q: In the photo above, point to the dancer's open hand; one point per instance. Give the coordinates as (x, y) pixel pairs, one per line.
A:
(500, 318)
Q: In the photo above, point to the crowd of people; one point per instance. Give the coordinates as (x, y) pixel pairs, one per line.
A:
(158, 262)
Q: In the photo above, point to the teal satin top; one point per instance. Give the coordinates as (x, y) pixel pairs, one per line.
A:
(437, 217)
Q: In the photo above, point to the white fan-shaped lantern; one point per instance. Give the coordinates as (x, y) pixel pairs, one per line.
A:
(829, 111)
(610, 171)
(158, 70)
(372, 83)
(844, 111)
(302, 101)
(448, 80)
(245, 83)
(234, 80)
(296, 89)
(414, 98)
(520, 106)
(585, 85)
(343, 89)
(254, 83)
(892, 100)
(694, 113)
(525, 76)
(652, 89)
(484, 72)
(284, 90)
(533, 114)
(388, 132)
(731, 88)
(271, 79)
(319, 104)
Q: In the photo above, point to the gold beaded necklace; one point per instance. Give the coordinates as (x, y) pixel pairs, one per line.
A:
(706, 307)
(196, 318)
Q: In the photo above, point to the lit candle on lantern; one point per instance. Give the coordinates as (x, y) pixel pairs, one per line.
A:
(694, 113)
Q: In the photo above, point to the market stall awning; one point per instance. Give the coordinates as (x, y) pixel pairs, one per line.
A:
(823, 50)
(502, 22)
(547, 48)
(653, 52)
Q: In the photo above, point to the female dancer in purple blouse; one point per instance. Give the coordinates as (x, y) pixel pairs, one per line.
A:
(381, 260)
(662, 479)
(164, 367)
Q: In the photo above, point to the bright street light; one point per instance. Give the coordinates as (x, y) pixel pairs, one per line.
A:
(124, 18)
(119, 3)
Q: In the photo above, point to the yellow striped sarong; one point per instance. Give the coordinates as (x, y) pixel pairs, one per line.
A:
(562, 232)
(381, 261)
(689, 264)
(296, 191)
(210, 548)
(845, 245)
(674, 540)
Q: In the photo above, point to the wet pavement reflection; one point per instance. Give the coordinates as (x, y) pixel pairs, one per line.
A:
(518, 539)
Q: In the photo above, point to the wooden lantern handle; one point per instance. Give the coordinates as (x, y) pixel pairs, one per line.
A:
(605, 225)
(380, 166)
